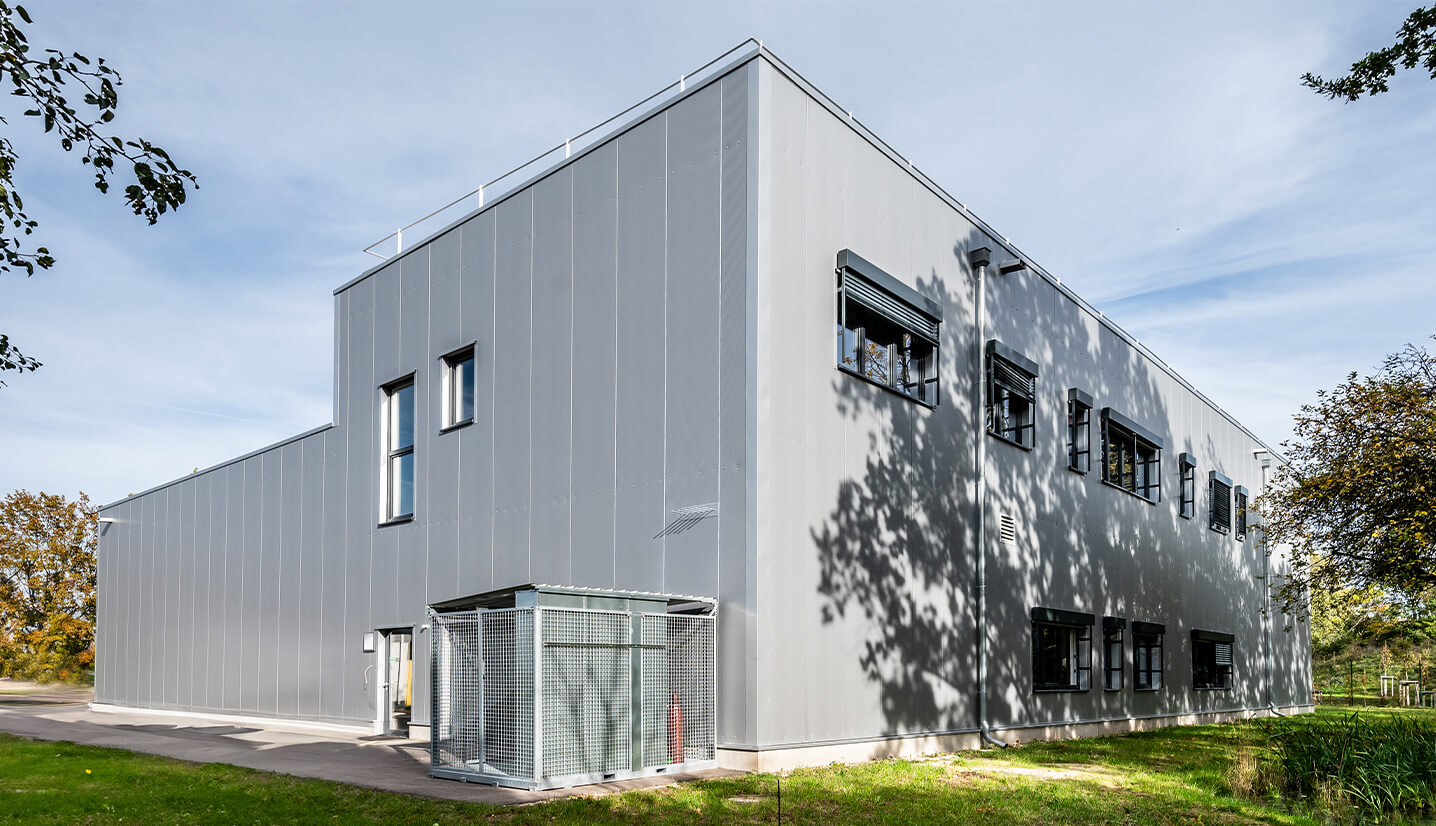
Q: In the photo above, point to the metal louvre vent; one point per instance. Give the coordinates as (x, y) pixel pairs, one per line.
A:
(587, 688)
(1007, 528)
(1013, 378)
(905, 315)
(1223, 653)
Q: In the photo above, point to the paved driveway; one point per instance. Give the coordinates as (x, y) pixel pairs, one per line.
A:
(392, 765)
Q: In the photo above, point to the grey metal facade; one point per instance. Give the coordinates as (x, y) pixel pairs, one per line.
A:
(653, 321)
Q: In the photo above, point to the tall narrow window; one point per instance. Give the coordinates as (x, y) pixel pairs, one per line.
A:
(397, 476)
(1061, 650)
(459, 387)
(1240, 511)
(1131, 456)
(1112, 628)
(1219, 488)
(1147, 655)
(1211, 660)
(1011, 395)
(887, 331)
(1189, 485)
(1079, 431)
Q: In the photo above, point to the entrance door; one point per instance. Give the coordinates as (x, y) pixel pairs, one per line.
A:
(396, 698)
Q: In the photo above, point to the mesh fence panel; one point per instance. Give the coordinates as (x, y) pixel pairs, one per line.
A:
(677, 689)
(508, 691)
(587, 693)
(457, 660)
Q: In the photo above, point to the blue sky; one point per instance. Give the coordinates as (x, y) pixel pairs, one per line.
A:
(1160, 158)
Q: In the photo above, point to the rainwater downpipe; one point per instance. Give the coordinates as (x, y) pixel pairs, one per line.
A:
(981, 259)
(1265, 459)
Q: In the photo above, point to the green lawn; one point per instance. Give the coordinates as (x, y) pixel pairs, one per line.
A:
(1176, 775)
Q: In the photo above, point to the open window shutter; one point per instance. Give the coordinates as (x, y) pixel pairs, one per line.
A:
(1221, 505)
(900, 312)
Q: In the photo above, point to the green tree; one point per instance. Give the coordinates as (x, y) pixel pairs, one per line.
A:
(1357, 502)
(43, 82)
(1415, 45)
(47, 586)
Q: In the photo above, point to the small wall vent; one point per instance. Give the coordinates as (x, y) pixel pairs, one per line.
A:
(1007, 529)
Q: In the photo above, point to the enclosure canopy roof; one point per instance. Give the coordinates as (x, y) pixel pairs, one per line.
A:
(504, 598)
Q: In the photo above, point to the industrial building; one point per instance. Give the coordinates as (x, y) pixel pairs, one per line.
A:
(729, 363)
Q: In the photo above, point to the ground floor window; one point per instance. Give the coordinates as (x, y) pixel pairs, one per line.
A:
(1112, 630)
(1061, 650)
(1147, 655)
(1211, 660)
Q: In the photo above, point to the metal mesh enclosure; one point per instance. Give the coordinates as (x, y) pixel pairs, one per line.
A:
(547, 696)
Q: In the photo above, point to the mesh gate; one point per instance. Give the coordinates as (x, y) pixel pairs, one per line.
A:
(541, 697)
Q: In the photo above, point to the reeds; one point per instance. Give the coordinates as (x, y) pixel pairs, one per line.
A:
(1377, 764)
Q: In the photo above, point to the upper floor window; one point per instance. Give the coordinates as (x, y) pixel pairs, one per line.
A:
(1061, 650)
(887, 332)
(1188, 464)
(1240, 511)
(1211, 660)
(1011, 395)
(1131, 456)
(459, 387)
(1079, 431)
(1219, 488)
(1147, 655)
(397, 472)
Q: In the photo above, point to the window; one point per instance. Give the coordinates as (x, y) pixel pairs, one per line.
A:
(1211, 660)
(1240, 509)
(1112, 629)
(1131, 456)
(887, 332)
(1011, 394)
(397, 476)
(1061, 650)
(1079, 431)
(1147, 655)
(1219, 488)
(1188, 464)
(459, 387)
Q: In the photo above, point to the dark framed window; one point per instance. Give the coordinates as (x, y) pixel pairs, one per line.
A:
(1147, 655)
(1011, 395)
(1188, 465)
(1061, 650)
(1219, 490)
(1239, 508)
(887, 333)
(1113, 629)
(397, 472)
(459, 387)
(1211, 660)
(1131, 456)
(1079, 431)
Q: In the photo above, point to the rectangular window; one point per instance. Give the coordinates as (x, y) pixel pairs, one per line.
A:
(1061, 650)
(1112, 629)
(459, 387)
(1079, 431)
(1011, 395)
(1211, 660)
(1131, 456)
(1189, 485)
(1240, 509)
(1219, 488)
(397, 475)
(1147, 655)
(887, 332)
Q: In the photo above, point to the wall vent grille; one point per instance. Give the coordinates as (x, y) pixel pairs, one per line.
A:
(1007, 529)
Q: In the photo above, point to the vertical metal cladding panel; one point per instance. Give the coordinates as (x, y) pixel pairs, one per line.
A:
(134, 571)
(691, 417)
(362, 473)
(121, 611)
(639, 509)
(196, 506)
(387, 285)
(169, 571)
(213, 599)
(148, 595)
(550, 371)
(236, 513)
(308, 628)
(335, 638)
(737, 633)
(513, 365)
(410, 571)
(595, 213)
(441, 461)
(290, 585)
(262, 629)
(476, 443)
(107, 597)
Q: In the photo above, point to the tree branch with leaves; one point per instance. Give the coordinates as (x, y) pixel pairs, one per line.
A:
(1415, 46)
(45, 81)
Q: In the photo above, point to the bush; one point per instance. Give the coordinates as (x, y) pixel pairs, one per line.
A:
(1377, 764)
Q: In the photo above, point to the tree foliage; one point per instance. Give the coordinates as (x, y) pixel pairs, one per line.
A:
(1357, 502)
(44, 82)
(47, 586)
(1415, 46)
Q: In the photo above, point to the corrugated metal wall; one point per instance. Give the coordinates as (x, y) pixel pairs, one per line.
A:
(608, 301)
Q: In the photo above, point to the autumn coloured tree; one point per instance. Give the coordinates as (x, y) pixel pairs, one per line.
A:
(1357, 502)
(47, 586)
